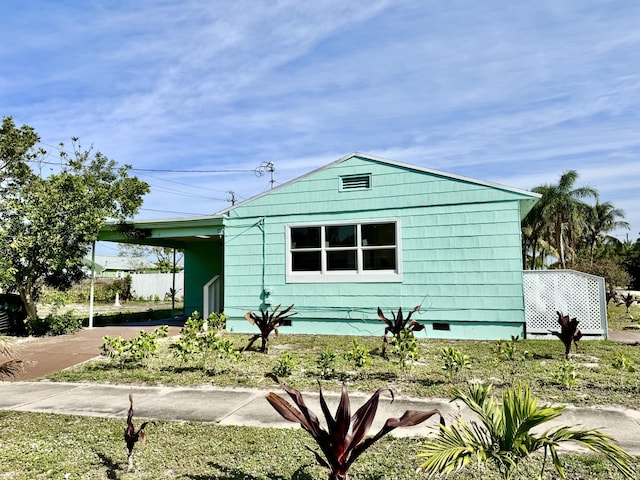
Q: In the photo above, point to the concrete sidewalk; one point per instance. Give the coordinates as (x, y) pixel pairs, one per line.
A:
(249, 407)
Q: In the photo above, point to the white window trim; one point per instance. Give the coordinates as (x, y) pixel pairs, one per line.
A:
(361, 276)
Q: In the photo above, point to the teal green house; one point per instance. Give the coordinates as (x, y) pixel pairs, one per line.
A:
(360, 233)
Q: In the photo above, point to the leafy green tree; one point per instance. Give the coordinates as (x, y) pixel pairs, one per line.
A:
(614, 274)
(507, 433)
(164, 259)
(16, 148)
(163, 255)
(631, 262)
(560, 214)
(48, 223)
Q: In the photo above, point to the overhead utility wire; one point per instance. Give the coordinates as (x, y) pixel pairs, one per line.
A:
(189, 171)
(175, 182)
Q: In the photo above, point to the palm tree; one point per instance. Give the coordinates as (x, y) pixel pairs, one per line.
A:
(563, 212)
(9, 367)
(602, 218)
(504, 437)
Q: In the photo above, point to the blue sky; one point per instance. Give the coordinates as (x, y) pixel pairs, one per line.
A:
(508, 92)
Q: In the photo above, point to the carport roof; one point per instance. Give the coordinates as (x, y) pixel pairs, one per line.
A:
(174, 233)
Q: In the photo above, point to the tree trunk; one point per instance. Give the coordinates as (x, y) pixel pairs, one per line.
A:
(533, 255)
(562, 262)
(26, 295)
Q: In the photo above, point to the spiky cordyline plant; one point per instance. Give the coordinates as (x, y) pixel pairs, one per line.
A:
(569, 332)
(627, 300)
(503, 436)
(397, 325)
(131, 435)
(267, 323)
(344, 439)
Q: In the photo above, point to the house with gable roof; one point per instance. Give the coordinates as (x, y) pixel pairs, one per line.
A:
(360, 233)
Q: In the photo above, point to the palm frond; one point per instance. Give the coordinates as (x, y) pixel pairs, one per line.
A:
(11, 368)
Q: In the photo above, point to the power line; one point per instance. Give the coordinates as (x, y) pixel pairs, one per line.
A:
(189, 171)
(169, 211)
(175, 182)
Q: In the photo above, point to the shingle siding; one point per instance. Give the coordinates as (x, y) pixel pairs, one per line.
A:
(460, 242)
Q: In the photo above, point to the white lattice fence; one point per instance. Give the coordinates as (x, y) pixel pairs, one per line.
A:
(572, 293)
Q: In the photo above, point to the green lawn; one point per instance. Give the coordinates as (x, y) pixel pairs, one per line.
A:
(597, 381)
(46, 446)
(58, 446)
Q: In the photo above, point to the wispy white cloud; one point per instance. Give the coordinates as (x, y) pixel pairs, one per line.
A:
(513, 93)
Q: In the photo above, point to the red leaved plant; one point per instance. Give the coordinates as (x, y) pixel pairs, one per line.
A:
(267, 323)
(397, 325)
(344, 439)
(569, 332)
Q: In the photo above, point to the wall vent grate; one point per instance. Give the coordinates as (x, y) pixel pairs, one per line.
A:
(355, 182)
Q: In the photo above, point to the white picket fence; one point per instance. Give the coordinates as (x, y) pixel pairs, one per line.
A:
(156, 284)
(572, 293)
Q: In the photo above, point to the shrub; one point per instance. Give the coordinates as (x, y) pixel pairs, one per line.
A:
(284, 365)
(326, 363)
(53, 324)
(454, 362)
(622, 362)
(399, 326)
(217, 321)
(140, 347)
(202, 337)
(405, 347)
(122, 286)
(509, 358)
(359, 355)
(565, 374)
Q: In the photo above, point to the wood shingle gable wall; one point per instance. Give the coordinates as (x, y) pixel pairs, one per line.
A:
(459, 247)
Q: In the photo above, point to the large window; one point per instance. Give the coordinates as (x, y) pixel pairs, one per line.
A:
(344, 252)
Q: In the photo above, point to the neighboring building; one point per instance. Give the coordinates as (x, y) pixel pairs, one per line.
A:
(118, 267)
(360, 233)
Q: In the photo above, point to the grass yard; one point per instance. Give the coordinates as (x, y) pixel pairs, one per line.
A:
(538, 362)
(47, 446)
(34, 446)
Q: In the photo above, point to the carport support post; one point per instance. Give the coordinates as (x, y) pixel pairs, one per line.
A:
(173, 287)
(93, 279)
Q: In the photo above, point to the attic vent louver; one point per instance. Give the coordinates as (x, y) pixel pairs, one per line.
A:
(355, 182)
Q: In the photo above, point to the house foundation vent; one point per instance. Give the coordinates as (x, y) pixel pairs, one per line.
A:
(444, 327)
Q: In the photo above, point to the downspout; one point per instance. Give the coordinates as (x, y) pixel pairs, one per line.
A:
(93, 280)
(264, 252)
(264, 260)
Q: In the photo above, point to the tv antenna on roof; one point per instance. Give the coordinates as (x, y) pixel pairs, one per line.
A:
(267, 167)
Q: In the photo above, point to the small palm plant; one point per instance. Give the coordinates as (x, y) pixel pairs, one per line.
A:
(9, 367)
(397, 325)
(267, 323)
(343, 441)
(503, 436)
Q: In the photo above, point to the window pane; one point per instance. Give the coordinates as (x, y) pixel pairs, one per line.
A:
(305, 237)
(305, 261)
(341, 236)
(374, 234)
(383, 259)
(341, 260)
